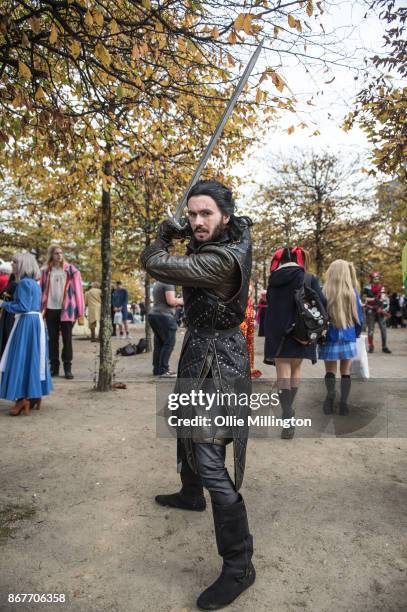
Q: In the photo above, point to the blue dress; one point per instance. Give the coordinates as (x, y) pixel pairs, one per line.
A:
(341, 343)
(21, 377)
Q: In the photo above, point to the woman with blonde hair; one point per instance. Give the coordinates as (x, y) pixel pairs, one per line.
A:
(25, 375)
(346, 318)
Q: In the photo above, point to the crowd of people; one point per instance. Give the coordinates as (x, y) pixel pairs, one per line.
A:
(299, 320)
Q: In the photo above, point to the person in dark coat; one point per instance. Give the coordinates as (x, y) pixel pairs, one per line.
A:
(287, 274)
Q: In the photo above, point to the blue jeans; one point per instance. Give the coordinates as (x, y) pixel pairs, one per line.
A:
(165, 329)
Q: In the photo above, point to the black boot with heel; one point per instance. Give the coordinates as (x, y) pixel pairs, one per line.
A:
(235, 546)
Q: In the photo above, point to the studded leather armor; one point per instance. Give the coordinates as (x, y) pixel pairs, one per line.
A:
(215, 279)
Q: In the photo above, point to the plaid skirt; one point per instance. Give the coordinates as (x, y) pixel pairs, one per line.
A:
(334, 351)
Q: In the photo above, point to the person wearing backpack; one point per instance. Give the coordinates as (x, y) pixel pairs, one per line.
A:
(346, 320)
(287, 277)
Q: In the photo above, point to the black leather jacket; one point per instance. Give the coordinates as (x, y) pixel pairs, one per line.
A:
(215, 279)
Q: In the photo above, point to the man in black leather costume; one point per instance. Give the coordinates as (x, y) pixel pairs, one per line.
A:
(214, 274)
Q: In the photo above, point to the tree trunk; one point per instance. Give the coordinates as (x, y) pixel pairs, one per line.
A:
(318, 242)
(264, 273)
(147, 303)
(148, 306)
(105, 357)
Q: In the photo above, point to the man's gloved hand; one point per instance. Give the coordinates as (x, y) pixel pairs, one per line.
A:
(167, 231)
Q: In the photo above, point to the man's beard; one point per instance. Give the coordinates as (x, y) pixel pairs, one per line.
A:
(218, 231)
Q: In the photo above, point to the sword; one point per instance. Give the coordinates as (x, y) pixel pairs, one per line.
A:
(211, 144)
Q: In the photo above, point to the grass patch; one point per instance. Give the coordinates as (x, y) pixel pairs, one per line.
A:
(11, 516)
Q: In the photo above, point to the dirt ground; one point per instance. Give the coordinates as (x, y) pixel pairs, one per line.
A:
(77, 511)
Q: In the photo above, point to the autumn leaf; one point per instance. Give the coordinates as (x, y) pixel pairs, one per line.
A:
(215, 33)
(259, 96)
(114, 28)
(239, 22)
(89, 19)
(290, 130)
(310, 8)
(35, 25)
(24, 40)
(76, 48)
(53, 36)
(39, 94)
(98, 17)
(232, 38)
(247, 24)
(24, 70)
(292, 22)
(103, 54)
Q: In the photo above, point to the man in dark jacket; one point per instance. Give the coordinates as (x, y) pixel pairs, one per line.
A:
(215, 275)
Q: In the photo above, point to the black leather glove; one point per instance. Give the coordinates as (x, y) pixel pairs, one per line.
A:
(167, 231)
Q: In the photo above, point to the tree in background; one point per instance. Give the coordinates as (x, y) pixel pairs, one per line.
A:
(381, 105)
(307, 197)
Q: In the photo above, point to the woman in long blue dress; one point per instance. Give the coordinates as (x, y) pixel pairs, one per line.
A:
(24, 369)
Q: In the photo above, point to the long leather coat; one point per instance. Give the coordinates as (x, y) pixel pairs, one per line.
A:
(215, 279)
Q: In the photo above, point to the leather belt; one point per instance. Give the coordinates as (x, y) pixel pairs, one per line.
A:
(213, 333)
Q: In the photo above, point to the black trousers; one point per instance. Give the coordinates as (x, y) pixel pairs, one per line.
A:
(212, 474)
(165, 331)
(55, 326)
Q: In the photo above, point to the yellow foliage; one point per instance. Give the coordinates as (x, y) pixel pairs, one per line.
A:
(53, 36)
(310, 8)
(247, 24)
(89, 19)
(114, 28)
(24, 70)
(98, 17)
(76, 48)
(292, 22)
(39, 94)
(103, 54)
(239, 22)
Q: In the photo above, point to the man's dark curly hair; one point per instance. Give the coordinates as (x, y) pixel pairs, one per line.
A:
(223, 197)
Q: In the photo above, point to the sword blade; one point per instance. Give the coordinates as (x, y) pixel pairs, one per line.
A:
(211, 144)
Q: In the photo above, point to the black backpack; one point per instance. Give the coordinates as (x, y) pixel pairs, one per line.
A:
(132, 349)
(311, 318)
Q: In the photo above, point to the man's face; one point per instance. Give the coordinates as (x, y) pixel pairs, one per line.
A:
(376, 278)
(57, 257)
(205, 217)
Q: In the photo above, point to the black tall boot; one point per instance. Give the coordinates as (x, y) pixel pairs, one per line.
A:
(191, 496)
(286, 398)
(345, 390)
(68, 370)
(330, 381)
(235, 545)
